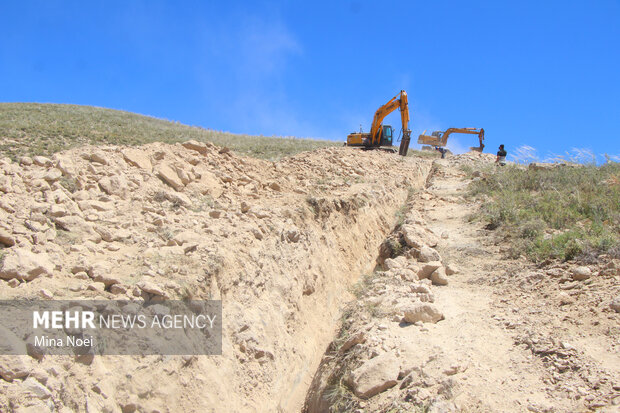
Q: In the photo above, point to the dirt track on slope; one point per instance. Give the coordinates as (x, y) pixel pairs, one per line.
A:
(513, 337)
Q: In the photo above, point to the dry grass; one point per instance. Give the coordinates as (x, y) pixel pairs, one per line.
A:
(560, 213)
(43, 129)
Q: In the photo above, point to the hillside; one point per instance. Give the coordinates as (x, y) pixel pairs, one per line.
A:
(44, 129)
(349, 280)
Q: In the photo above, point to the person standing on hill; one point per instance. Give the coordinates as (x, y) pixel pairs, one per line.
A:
(501, 156)
(442, 151)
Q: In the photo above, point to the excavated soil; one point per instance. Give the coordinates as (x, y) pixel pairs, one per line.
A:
(279, 243)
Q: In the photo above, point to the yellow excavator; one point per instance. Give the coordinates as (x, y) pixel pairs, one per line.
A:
(440, 139)
(381, 135)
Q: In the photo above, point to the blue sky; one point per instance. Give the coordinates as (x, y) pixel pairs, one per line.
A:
(540, 73)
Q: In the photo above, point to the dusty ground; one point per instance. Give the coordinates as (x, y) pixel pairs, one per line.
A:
(513, 337)
(282, 244)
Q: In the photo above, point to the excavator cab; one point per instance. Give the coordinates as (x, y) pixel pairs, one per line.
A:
(363, 139)
(386, 136)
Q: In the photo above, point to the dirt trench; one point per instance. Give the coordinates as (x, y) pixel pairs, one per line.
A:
(348, 236)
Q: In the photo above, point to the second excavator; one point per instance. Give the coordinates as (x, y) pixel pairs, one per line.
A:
(381, 135)
(440, 139)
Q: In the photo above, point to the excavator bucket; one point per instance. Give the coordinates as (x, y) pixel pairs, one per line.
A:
(477, 148)
(404, 143)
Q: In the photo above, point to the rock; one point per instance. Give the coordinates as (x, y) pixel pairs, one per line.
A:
(416, 236)
(98, 157)
(275, 186)
(245, 207)
(178, 198)
(375, 375)
(6, 239)
(39, 185)
(426, 313)
(25, 265)
(257, 233)
(33, 351)
(73, 223)
(438, 277)
(96, 205)
(151, 288)
(452, 370)
(31, 385)
(66, 167)
(193, 145)
(420, 288)
(81, 275)
(428, 254)
(52, 175)
(42, 161)
(427, 269)
(129, 407)
(169, 176)
(13, 283)
(451, 269)
(393, 263)
(25, 161)
(118, 289)
(581, 273)
(186, 237)
(565, 299)
(58, 210)
(105, 233)
(46, 294)
(99, 287)
(137, 158)
(407, 274)
(292, 235)
(355, 339)
(102, 272)
(615, 304)
(412, 236)
(5, 184)
(115, 185)
(215, 213)
(183, 176)
(13, 366)
(260, 213)
(555, 272)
